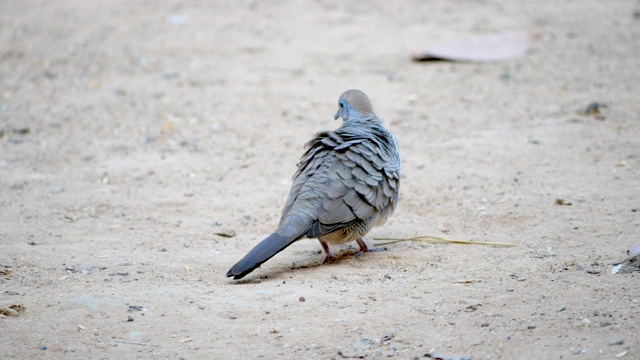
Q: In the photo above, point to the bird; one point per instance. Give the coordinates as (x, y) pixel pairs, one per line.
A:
(347, 182)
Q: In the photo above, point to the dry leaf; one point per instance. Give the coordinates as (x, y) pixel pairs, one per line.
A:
(226, 233)
(478, 48)
(468, 281)
(13, 310)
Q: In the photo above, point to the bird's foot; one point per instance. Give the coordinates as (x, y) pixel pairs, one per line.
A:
(366, 248)
(330, 257)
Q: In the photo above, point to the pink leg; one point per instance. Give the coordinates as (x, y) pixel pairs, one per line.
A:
(325, 247)
(365, 248)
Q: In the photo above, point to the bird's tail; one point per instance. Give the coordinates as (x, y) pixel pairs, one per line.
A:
(264, 251)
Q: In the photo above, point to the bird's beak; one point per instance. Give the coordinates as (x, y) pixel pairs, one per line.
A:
(337, 115)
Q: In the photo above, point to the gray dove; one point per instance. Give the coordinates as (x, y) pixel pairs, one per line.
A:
(346, 183)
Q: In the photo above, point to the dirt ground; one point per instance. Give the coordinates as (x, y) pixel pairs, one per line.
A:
(131, 133)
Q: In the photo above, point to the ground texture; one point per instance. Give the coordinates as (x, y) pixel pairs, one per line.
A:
(132, 134)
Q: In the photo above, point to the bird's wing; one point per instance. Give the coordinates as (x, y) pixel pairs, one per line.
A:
(343, 179)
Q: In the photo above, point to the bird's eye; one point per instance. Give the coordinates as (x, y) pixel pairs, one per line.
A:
(341, 105)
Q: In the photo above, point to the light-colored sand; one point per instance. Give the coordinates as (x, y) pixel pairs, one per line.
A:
(132, 132)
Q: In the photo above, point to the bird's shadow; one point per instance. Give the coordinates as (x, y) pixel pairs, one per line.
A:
(277, 273)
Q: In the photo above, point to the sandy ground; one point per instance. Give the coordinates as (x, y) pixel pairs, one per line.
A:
(132, 132)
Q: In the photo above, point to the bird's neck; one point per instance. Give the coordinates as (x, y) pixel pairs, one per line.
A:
(367, 120)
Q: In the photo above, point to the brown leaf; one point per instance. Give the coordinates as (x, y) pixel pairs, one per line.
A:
(226, 233)
(478, 48)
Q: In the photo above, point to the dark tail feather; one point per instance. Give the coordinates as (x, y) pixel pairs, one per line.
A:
(264, 251)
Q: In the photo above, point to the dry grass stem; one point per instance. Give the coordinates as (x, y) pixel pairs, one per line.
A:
(437, 240)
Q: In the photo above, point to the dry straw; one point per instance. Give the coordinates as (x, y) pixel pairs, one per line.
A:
(437, 240)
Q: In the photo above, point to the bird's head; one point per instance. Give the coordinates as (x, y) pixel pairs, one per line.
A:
(354, 104)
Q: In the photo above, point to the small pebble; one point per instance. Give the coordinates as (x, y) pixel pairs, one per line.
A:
(119, 274)
(387, 337)
(616, 342)
(177, 19)
(593, 108)
(170, 74)
(56, 190)
(122, 264)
